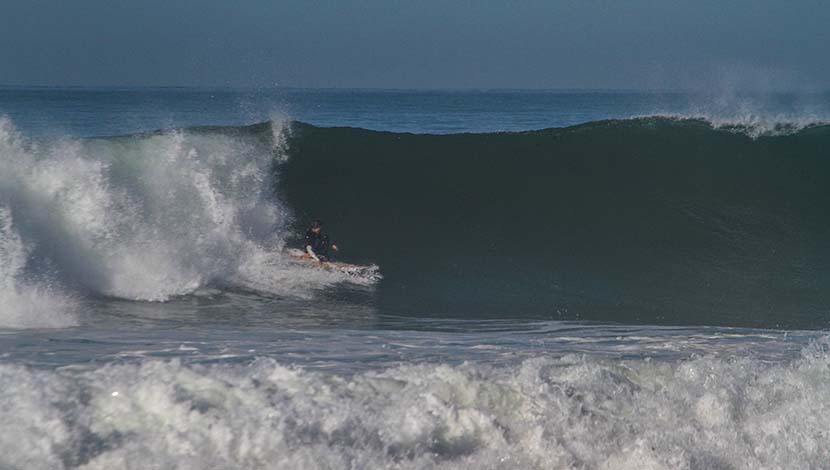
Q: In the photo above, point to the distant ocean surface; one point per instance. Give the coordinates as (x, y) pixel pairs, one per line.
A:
(575, 280)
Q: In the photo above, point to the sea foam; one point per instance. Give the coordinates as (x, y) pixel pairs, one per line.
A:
(561, 413)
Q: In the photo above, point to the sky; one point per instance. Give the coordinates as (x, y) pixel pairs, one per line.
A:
(554, 44)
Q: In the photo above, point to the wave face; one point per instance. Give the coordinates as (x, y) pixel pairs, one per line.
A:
(542, 412)
(656, 220)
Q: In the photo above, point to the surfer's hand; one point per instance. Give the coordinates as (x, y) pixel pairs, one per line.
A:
(334, 247)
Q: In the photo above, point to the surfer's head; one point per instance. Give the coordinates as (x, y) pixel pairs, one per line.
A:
(316, 225)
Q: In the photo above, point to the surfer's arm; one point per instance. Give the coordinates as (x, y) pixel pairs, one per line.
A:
(311, 253)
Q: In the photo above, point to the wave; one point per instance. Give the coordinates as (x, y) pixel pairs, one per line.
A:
(654, 220)
(657, 220)
(568, 412)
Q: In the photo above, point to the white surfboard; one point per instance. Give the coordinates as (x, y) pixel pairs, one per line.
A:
(367, 272)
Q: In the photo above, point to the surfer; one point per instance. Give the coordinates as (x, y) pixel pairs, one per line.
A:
(317, 243)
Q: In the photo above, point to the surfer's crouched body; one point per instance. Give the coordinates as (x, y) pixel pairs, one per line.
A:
(317, 243)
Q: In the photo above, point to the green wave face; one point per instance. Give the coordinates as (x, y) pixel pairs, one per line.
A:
(648, 220)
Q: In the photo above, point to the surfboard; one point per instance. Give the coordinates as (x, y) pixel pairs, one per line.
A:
(368, 272)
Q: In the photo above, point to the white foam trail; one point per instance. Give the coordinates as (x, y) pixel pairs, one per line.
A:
(542, 413)
(153, 216)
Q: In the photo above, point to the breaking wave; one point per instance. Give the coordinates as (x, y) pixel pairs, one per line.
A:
(563, 413)
(141, 217)
(658, 220)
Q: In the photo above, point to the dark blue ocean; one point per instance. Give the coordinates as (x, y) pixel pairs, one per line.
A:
(556, 279)
(83, 112)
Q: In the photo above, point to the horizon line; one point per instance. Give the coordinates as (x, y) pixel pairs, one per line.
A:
(396, 89)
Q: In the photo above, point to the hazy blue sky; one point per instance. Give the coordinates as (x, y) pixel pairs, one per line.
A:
(668, 44)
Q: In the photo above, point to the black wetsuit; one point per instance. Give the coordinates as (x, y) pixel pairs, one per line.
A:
(319, 243)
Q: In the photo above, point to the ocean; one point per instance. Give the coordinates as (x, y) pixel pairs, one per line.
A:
(567, 279)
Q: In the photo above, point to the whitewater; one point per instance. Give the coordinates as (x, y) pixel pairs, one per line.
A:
(144, 218)
(670, 311)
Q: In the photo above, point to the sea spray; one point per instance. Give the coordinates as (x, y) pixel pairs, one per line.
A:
(27, 300)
